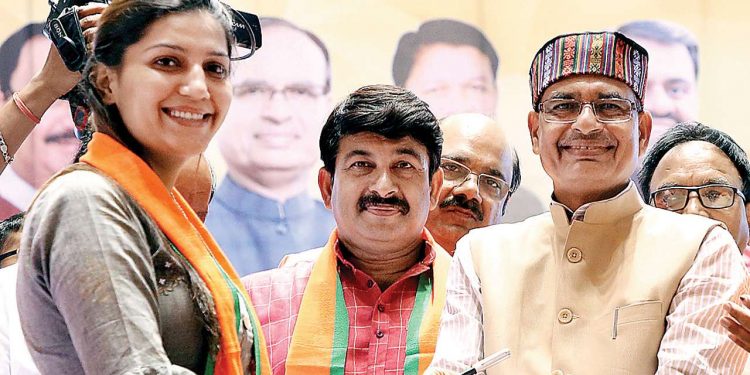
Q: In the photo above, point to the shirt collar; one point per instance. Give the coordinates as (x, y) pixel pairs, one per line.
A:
(626, 202)
(16, 190)
(248, 203)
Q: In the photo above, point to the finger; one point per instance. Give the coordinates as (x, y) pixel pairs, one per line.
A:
(741, 334)
(90, 21)
(88, 34)
(91, 8)
(739, 313)
(739, 342)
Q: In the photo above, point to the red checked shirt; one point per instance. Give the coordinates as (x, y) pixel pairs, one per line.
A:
(378, 319)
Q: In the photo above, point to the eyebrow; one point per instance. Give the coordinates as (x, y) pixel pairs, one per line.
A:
(610, 95)
(357, 153)
(561, 95)
(713, 180)
(409, 151)
(183, 50)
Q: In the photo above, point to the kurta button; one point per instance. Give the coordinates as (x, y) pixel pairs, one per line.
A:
(557, 372)
(574, 255)
(379, 334)
(565, 316)
(381, 308)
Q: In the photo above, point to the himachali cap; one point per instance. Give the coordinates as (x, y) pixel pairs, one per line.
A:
(609, 54)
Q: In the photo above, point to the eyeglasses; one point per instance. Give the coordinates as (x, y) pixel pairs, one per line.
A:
(714, 196)
(293, 94)
(566, 111)
(8, 254)
(456, 174)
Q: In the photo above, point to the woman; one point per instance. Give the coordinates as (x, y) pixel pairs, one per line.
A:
(116, 272)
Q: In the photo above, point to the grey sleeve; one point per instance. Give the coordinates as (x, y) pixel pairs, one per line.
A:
(89, 262)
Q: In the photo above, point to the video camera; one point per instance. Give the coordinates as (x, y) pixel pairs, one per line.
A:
(63, 27)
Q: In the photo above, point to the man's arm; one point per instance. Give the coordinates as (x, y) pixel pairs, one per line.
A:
(694, 341)
(461, 340)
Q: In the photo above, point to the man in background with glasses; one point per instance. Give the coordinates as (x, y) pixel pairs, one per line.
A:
(603, 283)
(480, 172)
(694, 169)
(262, 209)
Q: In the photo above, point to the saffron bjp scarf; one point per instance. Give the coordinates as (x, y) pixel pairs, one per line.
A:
(187, 233)
(321, 334)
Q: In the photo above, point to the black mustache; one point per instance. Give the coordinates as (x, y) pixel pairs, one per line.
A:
(374, 199)
(576, 136)
(461, 201)
(60, 137)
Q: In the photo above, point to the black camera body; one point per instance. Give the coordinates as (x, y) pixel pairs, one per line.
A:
(64, 29)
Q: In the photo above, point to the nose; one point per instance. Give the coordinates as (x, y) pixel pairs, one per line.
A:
(694, 206)
(469, 188)
(586, 123)
(384, 185)
(194, 85)
(277, 109)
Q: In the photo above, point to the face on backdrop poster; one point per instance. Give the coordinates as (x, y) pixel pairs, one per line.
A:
(467, 57)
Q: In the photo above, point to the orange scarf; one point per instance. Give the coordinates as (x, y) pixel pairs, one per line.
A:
(191, 238)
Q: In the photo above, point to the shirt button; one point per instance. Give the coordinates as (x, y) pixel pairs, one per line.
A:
(381, 308)
(370, 283)
(379, 334)
(565, 316)
(574, 255)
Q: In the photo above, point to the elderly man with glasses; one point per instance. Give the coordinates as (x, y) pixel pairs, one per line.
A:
(695, 169)
(480, 173)
(603, 283)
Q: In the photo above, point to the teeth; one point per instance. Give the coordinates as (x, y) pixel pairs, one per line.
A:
(186, 115)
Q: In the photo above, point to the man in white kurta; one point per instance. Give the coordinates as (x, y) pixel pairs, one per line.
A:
(603, 283)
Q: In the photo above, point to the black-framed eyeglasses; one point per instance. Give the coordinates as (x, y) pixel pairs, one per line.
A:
(8, 254)
(675, 198)
(609, 110)
(456, 174)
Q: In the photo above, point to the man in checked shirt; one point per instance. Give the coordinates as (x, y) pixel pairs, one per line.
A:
(369, 302)
(603, 283)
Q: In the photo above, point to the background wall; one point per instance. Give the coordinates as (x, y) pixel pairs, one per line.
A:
(362, 36)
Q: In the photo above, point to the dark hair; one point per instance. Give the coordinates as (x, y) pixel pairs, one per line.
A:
(267, 22)
(664, 32)
(10, 52)
(515, 181)
(122, 24)
(389, 111)
(9, 226)
(694, 131)
(439, 31)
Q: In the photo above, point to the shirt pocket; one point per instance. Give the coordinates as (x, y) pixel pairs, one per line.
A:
(637, 329)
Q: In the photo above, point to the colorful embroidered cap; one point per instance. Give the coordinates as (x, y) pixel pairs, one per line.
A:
(609, 54)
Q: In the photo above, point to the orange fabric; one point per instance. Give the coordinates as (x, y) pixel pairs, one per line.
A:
(428, 332)
(186, 232)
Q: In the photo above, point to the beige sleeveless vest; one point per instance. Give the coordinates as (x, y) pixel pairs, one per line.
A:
(588, 297)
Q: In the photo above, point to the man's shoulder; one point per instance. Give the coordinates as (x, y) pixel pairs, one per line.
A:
(286, 273)
(307, 256)
(689, 223)
(534, 223)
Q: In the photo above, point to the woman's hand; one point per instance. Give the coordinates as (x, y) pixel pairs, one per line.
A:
(54, 75)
